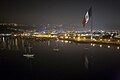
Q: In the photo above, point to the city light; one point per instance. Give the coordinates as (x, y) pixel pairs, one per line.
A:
(109, 40)
(78, 38)
(100, 45)
(66, 36)
(84, 37)
(66, 41)
(93, 45)
(118, 47)
(108, 46)
(60, 39)
(118, 40)
(100, 39)
(94, 39)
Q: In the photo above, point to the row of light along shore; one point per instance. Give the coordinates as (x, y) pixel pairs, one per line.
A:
(95, 37)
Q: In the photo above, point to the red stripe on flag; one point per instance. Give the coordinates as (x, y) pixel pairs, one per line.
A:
(84, 21)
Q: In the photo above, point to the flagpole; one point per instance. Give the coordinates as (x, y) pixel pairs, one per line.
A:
(91, 23)
(92, 20)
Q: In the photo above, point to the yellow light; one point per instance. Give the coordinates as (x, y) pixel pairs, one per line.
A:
(105, 39)
(118, 41)
(78, 38)
(84, 37)
(54, 36)
(61, 37)
(49, 35)
(66, 36)
(100, 39)
(74, 34)
(66, 41)
(94, 39)
(78, 34)
(33, 35)
(109, 40)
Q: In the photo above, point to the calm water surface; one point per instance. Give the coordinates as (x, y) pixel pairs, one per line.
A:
(29, 59)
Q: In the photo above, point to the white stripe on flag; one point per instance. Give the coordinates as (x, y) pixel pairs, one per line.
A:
(87, 17)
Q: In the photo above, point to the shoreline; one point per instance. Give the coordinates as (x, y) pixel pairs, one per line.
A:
(91, 41)
(94, 41)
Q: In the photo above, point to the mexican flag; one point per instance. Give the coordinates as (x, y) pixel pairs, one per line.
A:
(87, 16)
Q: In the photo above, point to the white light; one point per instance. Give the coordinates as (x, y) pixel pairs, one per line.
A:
(93, 44)
(3, 39)
(108, 46)
(100, 45)
(62, 41)
(69, 41)
(118, 47)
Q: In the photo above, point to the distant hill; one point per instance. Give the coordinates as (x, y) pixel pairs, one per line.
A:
(14, 29)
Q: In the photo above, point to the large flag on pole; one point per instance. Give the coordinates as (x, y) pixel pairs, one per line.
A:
(87, 17)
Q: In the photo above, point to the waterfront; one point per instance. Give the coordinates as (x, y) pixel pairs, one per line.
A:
(74, 61)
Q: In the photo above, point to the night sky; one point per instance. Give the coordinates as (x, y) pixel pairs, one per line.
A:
(106, 13)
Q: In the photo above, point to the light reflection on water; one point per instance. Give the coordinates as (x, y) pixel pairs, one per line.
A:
(20, 44)
(72, 59)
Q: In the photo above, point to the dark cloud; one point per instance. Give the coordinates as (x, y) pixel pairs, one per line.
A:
(105, 12)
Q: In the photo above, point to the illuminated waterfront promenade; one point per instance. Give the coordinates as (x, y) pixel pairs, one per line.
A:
(75, 38)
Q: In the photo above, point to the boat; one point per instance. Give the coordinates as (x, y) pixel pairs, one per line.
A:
(28, 55)
(56, 49)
